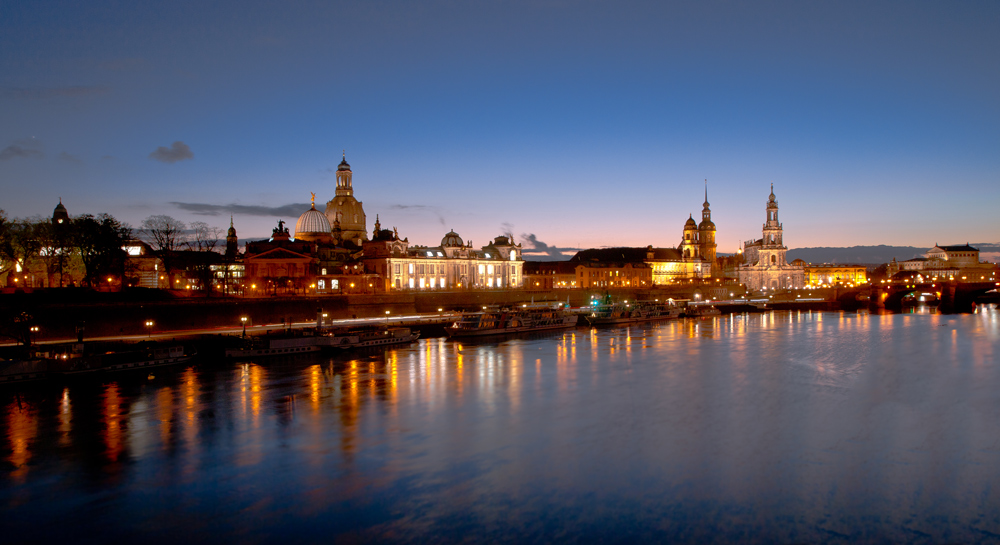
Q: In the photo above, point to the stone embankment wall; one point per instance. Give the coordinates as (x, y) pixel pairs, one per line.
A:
(118, 314)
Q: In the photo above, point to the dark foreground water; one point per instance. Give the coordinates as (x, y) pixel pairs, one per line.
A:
(773, 428)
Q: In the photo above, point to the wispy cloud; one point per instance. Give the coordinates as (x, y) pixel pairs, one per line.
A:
(23, 148)
(178, 151)
(35, 93)
(204, 209)
(535, 247)
(70, 158)
(421, 207)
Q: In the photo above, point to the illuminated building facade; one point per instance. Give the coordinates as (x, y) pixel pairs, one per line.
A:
(828, 275)
(454, 265)
(547, 275)
(959, 263)
(614, 275)
(765, 266)
(693, 258)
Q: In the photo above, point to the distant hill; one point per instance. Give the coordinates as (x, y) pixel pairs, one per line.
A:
(874, 255)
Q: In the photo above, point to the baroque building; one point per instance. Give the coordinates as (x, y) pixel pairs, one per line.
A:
(958, 262)
(765, 266)
(345, 214)
(693, 258)
(453, 265)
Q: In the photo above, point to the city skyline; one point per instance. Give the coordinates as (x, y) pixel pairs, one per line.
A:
(571, 126)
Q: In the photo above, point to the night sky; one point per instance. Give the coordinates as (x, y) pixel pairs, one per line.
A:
(573, 124)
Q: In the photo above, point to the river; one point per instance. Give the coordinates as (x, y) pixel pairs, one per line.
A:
(761, 428)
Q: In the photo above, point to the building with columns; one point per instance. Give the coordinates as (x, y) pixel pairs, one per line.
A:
(765, 266)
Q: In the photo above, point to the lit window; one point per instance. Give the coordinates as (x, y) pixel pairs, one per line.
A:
(411, 283)
(430, 254)
(323, 271)
(482, 269)
(440, 254)
(411, 272)
(489, 269)
(487, 256)
(489, 281)
(421, 283)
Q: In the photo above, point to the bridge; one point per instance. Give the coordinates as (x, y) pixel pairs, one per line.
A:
(955, 297)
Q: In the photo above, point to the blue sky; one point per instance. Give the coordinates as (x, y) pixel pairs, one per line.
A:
(584, 124)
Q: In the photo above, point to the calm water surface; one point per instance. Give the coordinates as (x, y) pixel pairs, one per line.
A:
(771, 428)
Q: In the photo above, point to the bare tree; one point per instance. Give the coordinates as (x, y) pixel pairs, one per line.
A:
(165, 235)
(203, 237)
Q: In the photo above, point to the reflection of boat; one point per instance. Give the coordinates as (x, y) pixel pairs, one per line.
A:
(498, 321)
(23, 370)
(640, 311)
(695, 311)
(364, 338)
(144, 359)
(277, 345)
(74, 361)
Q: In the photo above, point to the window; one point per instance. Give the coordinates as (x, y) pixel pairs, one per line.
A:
(334, 284)
(489, 269)
(396, 266)
(321, 284)
(411, 272)
(421, 283)
(489, 281)
(482, 269)
(411, 281)
(323, 271)
(513, 256)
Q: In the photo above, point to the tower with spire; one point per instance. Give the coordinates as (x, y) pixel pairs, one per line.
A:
(766, 266)
(232, 243)
(706, 233)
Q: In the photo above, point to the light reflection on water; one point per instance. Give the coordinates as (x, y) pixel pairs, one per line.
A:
(778, 427)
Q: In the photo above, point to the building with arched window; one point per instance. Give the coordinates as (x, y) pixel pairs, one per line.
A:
(765, 266)
(453, 265)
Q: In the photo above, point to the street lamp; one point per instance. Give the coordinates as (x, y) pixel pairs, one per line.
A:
(244, 320)
(34, 332)
(149, 328)
(387, 318)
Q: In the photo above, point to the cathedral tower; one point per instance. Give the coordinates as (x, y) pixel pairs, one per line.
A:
(772, 252)
(232, 243)
(706, 232)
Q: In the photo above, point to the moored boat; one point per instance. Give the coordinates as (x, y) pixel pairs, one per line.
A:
(499, 321)
(277, 345)
(639, 311)
(364, 338)
(697, 311)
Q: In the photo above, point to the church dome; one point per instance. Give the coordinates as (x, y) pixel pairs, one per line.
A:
(312, 222)
(451, 240)
(59, 214)
(343, 164)
(706, 225)
(690, 224)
